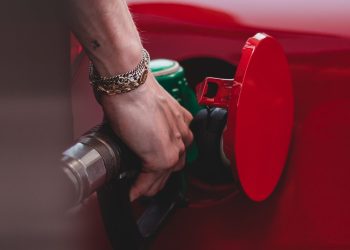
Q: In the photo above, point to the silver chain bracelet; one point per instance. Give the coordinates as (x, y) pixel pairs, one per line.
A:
(121, 83)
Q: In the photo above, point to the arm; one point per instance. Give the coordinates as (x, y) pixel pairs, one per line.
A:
(147, 119)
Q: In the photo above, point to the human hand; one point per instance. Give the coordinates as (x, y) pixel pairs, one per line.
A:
(147, 119)
(155, 127)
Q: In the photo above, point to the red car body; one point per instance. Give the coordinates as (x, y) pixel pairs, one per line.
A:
(310, 209)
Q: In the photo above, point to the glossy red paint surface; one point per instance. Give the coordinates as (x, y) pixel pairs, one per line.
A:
(297, 15)
(259, 101)
(264, 118)
(310, 206)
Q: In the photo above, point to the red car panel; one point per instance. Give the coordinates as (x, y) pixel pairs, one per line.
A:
(310, 207)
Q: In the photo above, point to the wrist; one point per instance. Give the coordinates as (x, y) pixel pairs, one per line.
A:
(131, 97)
(120, 59)
(120, 83)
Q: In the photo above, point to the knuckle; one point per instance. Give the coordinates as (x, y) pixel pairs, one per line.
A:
(162, 99)
(189, 136)
(178, 135)
(171, 159)
(188, 116)
(182, 148)
(178, 115)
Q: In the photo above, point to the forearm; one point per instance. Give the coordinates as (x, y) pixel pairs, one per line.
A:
(147, 118)
(106, 30)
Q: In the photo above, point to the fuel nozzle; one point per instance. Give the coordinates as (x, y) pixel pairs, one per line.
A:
(95, 159)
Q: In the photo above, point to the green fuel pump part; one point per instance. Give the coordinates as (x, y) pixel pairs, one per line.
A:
(170, 75)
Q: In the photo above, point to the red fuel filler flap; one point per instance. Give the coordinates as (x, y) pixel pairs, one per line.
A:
(259, 101)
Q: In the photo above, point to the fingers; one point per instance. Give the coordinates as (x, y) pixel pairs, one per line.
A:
(158, 185)
(181, 163)
(184, 118)
(187, 116)
(149, 184)
(179, 119)
(186, 133)
(164, 140)
(143, 183)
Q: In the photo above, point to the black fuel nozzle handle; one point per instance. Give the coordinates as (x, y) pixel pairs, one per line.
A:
(100, 161)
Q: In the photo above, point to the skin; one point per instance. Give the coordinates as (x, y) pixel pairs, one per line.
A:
(147, 119)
